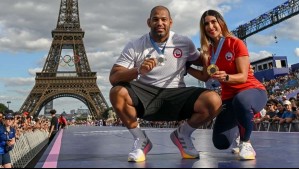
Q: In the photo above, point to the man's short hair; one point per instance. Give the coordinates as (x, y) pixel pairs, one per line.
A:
(53, 112)
(159, 7)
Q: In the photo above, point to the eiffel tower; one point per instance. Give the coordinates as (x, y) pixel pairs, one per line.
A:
(80, 84)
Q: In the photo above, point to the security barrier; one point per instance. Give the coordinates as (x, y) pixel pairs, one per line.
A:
(27, 147)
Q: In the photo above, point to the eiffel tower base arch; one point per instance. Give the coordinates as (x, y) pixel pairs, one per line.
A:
(47, 89)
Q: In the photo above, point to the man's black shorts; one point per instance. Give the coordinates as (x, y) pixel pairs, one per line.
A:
(162, 104)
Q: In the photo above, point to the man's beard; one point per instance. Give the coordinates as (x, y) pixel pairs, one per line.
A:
(158, 34)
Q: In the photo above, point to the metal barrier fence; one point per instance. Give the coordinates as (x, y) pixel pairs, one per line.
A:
(27, 147)
(275, 126)
(263, 126)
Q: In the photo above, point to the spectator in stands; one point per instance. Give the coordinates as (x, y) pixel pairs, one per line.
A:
(24, 120)
(54, 125)
(271, 111)
(242, 94)
(297, 97)
(279, 113)
(297, 114)
(7, 139)
(284, 98)
(294, 103)
(288, 115)
(1, 118)
(38, 124)
(258, 116)
(148, 87)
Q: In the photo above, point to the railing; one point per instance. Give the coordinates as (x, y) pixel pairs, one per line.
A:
(276, 127)
(27, 147)
(263, 126)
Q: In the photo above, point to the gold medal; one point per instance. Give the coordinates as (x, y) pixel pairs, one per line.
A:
(212, 69)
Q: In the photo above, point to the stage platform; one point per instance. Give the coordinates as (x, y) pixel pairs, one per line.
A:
(108, 147)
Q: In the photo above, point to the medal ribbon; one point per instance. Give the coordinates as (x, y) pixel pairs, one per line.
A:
(216, 55)
(156, 47)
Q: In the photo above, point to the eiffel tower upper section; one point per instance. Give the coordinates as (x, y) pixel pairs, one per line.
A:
(67, 35)
(80, 84)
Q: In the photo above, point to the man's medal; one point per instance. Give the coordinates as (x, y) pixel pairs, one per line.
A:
(213, 68)
(161, 58)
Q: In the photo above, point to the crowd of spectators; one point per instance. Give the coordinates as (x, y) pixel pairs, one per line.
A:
(283, 85)
(283, 102)
(25, 123)
(279, 90)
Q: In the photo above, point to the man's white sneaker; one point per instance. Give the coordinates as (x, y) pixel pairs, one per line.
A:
(246, 151)
(139, 150)
(184, 144)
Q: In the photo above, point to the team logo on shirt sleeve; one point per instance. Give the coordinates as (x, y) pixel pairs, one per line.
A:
(229, 56)
(177, 53)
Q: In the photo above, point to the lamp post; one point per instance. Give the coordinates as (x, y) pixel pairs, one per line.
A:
(8, 102)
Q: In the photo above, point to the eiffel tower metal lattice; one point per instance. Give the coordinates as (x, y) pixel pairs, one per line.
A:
(81, 84)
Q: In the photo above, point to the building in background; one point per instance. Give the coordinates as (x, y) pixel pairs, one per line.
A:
(270, 68)
(48, 107)
(83, 111)
(73, 111)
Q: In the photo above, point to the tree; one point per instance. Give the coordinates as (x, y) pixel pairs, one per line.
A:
(2, 107)
(105, 115)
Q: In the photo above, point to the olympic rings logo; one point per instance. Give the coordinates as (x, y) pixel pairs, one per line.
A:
(67, 60)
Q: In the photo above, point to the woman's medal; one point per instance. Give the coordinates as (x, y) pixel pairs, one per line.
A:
(213, 68)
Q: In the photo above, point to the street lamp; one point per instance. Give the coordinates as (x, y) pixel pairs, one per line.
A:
(8, 102)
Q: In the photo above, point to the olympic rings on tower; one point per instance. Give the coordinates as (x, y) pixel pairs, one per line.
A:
(67, 60)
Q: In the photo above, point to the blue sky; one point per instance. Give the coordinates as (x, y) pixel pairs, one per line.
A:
(25, 36)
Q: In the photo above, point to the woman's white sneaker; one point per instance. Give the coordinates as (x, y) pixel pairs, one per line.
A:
(246, 151)
(236, 146)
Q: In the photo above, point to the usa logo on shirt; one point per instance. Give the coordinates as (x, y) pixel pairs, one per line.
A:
(228, 56)
(177, 53)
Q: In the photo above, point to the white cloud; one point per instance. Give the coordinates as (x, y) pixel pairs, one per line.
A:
(38, 44)
(24, 5)
(261, 40)
(289, 30)
(32, 72)
(297, 52)
(16, 82)
(258, 56)
(5, 40)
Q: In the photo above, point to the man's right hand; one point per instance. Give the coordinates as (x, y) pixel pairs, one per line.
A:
(147, 66)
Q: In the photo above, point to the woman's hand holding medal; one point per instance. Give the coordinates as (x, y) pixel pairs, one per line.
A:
(221, 76)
